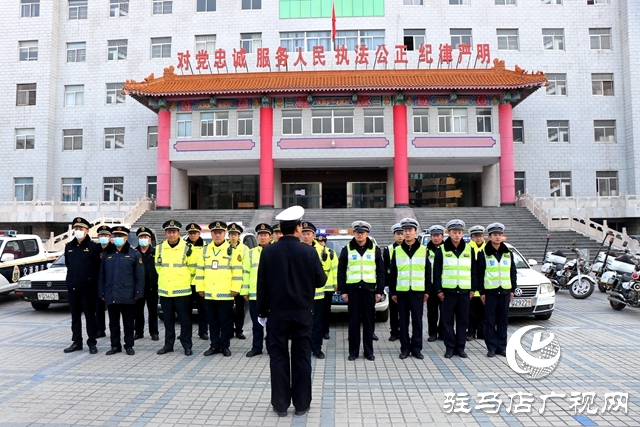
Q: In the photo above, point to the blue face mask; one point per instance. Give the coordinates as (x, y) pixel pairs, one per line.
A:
(118, 241)
(143, 242)
(103, 240)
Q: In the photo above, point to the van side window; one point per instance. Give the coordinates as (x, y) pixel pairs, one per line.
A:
(30, 247)
(13, 248)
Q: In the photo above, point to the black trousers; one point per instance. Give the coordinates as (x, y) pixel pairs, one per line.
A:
(239, 314)
(203, 324)
(101, 323)
(496, 321)
(326, 312)
(410, 306)
(434, 321)
(394, 319)
(290, 375)
(151, 301)
(316, 336)
(361, 306)
(476, 318)
(83, 302)
(180, 306)
(219, 314)
(128, 313)
(455, 309)
(258, 330)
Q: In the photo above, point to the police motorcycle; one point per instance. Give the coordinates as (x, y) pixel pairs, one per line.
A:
(626, 291)
(572, 275)
(617, 271)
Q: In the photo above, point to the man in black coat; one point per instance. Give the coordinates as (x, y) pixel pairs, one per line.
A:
(288, 275)
(121, 284)
(82, 258)
(150, 297)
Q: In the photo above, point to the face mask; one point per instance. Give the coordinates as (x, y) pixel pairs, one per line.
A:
(118, 241)
(143, 242)
(78, 234)
(103, 240)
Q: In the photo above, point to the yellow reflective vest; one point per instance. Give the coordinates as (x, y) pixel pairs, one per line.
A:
(497, 274)
(410, 270)
(456, 271)
(174, 277)
(330, 266)
(250, 272)
(221, 271)
(361, 268)
(192, 262)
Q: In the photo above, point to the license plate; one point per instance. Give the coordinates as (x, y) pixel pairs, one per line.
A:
(337, 298)
(520, 302)
(50, 296)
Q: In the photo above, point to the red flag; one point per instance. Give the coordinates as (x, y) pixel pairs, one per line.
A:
(333, 23)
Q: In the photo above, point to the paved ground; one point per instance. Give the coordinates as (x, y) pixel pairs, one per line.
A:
(39, 385)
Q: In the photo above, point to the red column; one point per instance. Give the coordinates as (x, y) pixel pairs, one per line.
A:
(401, 160)
(266, 157)
(164, 165)
(507, 177)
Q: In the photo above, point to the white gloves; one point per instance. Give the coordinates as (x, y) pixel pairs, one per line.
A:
(263, 321)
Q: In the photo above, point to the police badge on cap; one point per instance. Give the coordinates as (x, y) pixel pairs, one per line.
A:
(264, 228)
(172, 224)
(80, 222)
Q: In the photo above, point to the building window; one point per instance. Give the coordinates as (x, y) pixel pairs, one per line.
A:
(518, 131)
(161, 47)
(206, 6)
(602, 84)
(25, 139)
(118, 8)
(414, 38)
(26, 94)
(113, 189)
(413, 2)
(460, 36)
(71, 139)
(245, 123)
(373, 120)
(594, 2)
(505, 2)
(420, 120)
(71, 189)
(152, 136)
(23, 189)
(251, 4)
(553, 38)
(206, 42)
(560, 184)
(508, 39)
(604, 130)
(292, 40)
(161, 7)
(114, 93)
(607, 183)
(117, 50)
(452, 120)
(483, 120)
(557, 84)
(113, 138)
(184, 125)
(370, 38)
(520, 182)
(77, 9)
(292, 122)
(458, 2)
(29, 8)
(73, 95)
(28, 50)
(328, 122)
(214, 124)
(76, 52)
(551, 1)
(600, 38)
(558, 131)
(152, 186)
(251, 42)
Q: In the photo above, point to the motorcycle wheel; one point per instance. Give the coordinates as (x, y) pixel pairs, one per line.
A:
(602, 288)
(616, 305)
(581, 289)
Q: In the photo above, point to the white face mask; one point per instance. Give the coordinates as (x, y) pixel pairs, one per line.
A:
(143, 242)
(78, 234)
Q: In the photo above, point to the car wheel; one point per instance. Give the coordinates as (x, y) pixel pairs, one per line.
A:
(543, 316)
(382, 316)
(40, 305)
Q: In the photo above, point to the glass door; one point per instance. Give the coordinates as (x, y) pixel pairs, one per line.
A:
(305, 194)
(367, 195)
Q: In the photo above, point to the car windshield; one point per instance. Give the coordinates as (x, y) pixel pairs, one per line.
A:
(338, 244)
(518, 259)
(59, 262)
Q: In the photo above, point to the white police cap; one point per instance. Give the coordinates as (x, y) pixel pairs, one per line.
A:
(476, 229)
(495, 227)
(294, 213)
(396, 228)
(456, 224)
(361, 226)
(436, 229)
(409, 223)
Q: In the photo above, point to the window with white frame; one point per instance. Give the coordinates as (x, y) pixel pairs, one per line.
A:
(483, 120)
(184, 125)
(162, 7)
(251, 41)
(152, 136)
(604, 130)
(508, 39)
(505, 2)
(207, 124)
(594, 2)
(460, 36)
(420, 120)
(452, 120)
(413, 38)
(245, 123)
(76, 52)
(558, 131)
(118, 8)
(28, 50)
(458, 2)
(557, 84)
(413, 2)
(214, 124)
(26, 94)
(520, 182)
(152, 186)
(25, 139)
(553, 38)
(73, 95)
(114, 93)
(560, 184)
(518, 130)
(251, 4)
(600, 38)
(292, 122)
(206, 6)
(112, 189)
(292, 40)
(117, 50)
(607, 183)
(29, 8)
(337, 121)
(23, 189)
(77, 9)
(71, 189)
(206, 42)
(113, 138)
(305, 39)
(373, 120)
(161, 47)
(602, 84)
(551, 1)
(352, 38)
(71, 139)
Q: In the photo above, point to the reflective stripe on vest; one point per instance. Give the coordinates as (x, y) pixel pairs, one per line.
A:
(361, 268)
(410, 270)
(497, 273)
(456, 272)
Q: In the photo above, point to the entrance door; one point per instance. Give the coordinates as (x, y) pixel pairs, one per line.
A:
(305, 194)
(334, 195)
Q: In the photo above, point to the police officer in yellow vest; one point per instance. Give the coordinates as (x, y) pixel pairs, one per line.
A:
(434, 321)
(387, 253)
(308, 236)
(410, 274)
(476, 308)
(329, 261)
(174, 287)
(234, 230)
(361, 283)
(222, 281)
(454, 281)
(197, 245)
(497, 279)
(249, 285)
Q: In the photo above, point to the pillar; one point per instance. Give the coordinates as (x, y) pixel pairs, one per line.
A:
(266, 156)
(401, 160)
(164, 165)
(507, 162)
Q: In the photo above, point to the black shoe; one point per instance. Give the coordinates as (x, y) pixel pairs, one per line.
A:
(300, 413)
(165, 350)
(188, 352)
(470, 338)
(93, 349)
(375, 337)
(155, 337)
(491, 353)
(352, 358)
(241, 336)
(130, 351)
(501, 353)
(393, 338)
(448, 354)
(211, 351)
(418, 355)
(226, 352)
(204, 337)
(252, 353)
(280, 413)
(319, 354)
(113, 350)
(101, 334)
(138, 336)
(431, 338)
(462, 354)
(72, 348)
(370, 357)
(326, 336)
(404, 355)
